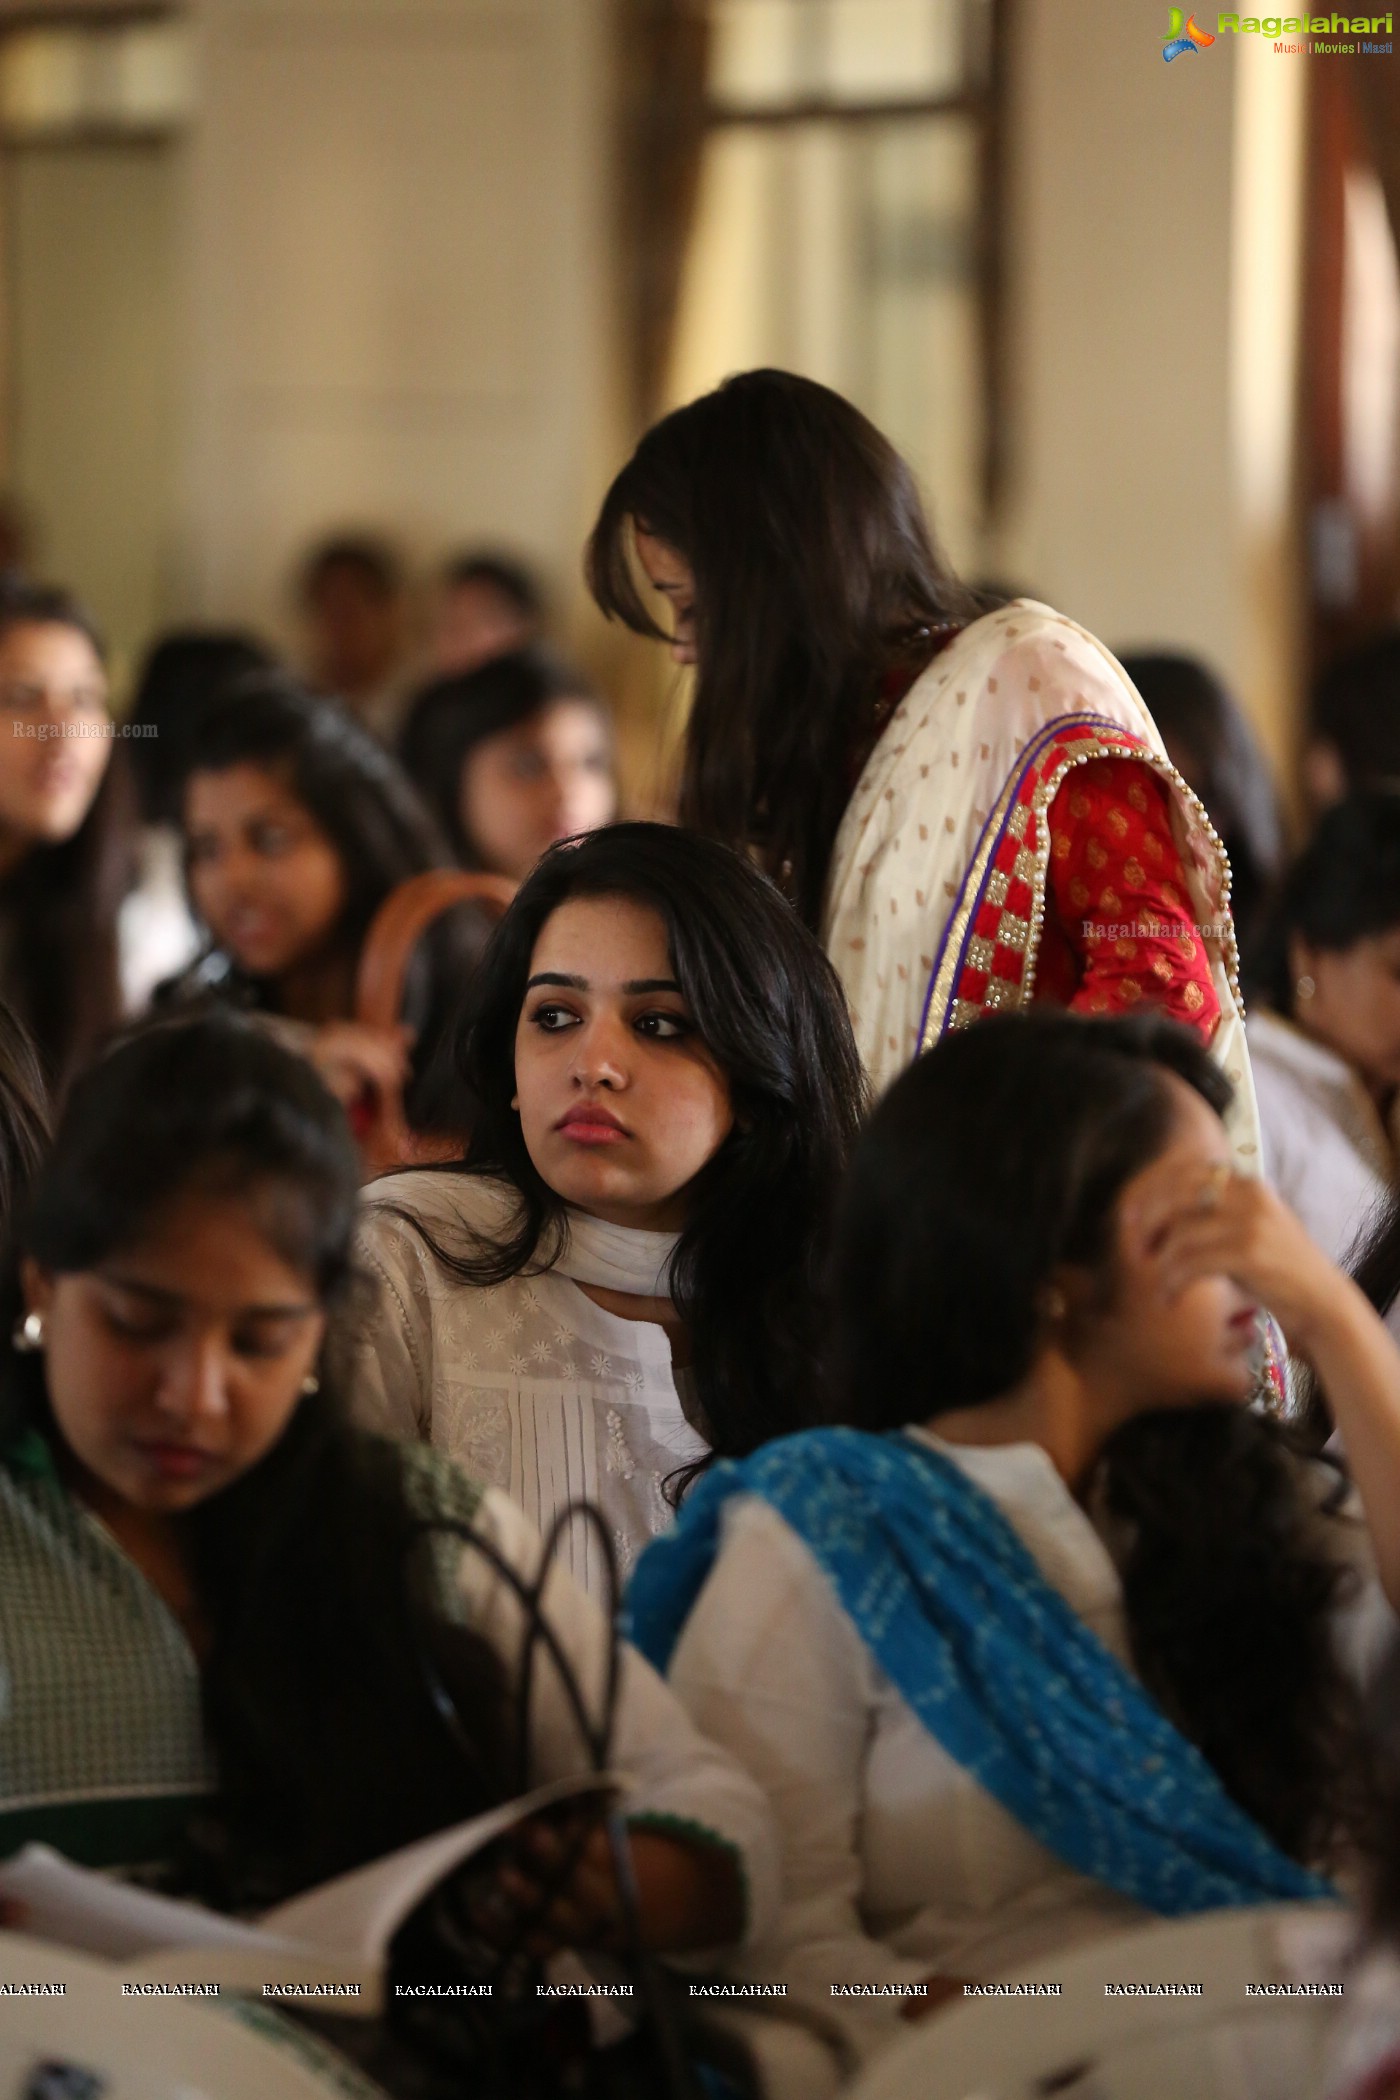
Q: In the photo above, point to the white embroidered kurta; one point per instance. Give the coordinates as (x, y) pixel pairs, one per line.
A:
(528, 1385)
(1326, 1150)
(897, 1864)
(912, 867)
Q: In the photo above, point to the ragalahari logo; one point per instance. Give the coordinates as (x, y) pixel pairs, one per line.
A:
(1178, 40)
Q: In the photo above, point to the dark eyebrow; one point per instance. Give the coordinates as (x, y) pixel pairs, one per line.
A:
(156, 1296)
(634, 988)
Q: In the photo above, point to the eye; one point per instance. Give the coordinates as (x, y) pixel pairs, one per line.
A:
(262, 1344)
(663, 1027)
(551, 1017)
(528, 765)
(271, 838)
(138, 1326)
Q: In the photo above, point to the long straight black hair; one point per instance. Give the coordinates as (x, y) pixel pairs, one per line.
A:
(62, 975)
(328, 1746)
(747, 1278)
(991, 1163)
(816, 578)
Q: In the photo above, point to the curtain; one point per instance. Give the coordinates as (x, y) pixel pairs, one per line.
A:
(663, 54)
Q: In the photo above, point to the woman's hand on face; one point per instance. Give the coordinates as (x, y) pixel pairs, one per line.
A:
(354, 1059)
(1186, 1223)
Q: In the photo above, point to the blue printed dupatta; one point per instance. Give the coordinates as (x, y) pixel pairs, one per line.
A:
(992, 1659)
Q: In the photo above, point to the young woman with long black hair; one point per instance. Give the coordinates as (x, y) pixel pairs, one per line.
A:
(625, 1270)
(297, 826)
(67, 829)
(1072, 1641)
(223, 1650)
(973, 810)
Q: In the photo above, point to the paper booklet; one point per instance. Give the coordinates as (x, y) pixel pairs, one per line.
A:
(337, 1934)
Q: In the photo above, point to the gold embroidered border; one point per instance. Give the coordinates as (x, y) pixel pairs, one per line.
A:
(1001, 992)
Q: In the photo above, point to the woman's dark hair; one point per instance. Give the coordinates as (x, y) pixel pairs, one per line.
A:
(355, 791)
(328, 1746)
(1355, 707)
(184, 674)
(994, 1162)
(769, 1007)
(371, 561)
(450, 717)
(504, 574)
(1343, 887)
(816, 581)
(24, 1121)
(62, 901)
(1207, 733)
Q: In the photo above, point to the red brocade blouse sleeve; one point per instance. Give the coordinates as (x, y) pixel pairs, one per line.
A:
(1120, 927)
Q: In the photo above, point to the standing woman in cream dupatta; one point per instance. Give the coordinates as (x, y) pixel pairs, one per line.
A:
(974, 812)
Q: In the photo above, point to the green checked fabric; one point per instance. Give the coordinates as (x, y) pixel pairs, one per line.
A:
(102, 1753)
(101, 1749)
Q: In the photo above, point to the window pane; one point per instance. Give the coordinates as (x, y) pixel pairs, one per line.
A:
(878, 49)
(55, 83)
(846, 252)
(759, 52)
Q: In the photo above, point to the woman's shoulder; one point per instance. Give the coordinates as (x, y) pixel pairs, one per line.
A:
(1029, 650)
(442, 1200)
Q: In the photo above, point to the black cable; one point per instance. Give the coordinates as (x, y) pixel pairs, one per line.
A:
(681, 2082)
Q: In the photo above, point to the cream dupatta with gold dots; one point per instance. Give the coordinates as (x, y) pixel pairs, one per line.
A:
(937, 896)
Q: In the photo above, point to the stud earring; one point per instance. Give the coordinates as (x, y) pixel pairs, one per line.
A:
(310, 1384)
(1053, 1303)
(1305, 987)
(27, 1335)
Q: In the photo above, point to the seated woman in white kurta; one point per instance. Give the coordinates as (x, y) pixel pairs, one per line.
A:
(1069, 1649)
(624, 1272)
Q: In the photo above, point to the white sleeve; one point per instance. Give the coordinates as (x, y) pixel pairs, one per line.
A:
(383, 1348)
(678, 1779)
(770, 1667)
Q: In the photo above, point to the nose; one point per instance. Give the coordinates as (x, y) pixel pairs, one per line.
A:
(600, 1053)
(194, 1381)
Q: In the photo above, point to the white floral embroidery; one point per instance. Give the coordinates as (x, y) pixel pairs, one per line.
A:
(540, 1352)
(620, 1459)
(515, 1320)
(519, 1366)
(634, 1380)
(600, 1365)
(495, 1338)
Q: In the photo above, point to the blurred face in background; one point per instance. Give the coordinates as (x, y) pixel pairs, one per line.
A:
(474, 622)
(546, 779)
(355, 630)
(54, 748)
(264, 877)
(1354, 1004)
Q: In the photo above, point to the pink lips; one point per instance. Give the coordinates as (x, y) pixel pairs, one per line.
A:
(176, 1461)
(591, 1126)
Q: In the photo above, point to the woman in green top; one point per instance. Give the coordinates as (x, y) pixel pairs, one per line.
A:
(214, 1656)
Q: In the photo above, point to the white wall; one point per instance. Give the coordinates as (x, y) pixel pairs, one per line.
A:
(1140, 452)
(397, 243)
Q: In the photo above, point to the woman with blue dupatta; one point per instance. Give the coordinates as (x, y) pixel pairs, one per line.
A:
(1064, 1635)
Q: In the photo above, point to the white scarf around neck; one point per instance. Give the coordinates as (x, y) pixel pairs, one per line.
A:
(617, 1257)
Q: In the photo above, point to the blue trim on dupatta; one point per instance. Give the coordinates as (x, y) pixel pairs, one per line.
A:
(992, 1659)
